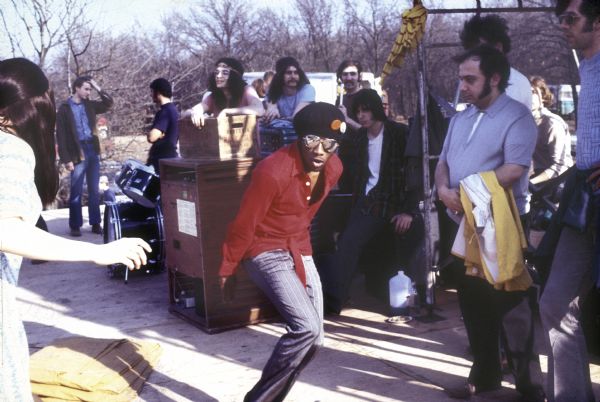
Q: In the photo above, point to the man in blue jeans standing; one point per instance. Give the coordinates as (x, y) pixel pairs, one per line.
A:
(575, 261)
(79, 149)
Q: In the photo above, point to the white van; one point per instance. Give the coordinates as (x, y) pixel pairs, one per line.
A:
(326, 85)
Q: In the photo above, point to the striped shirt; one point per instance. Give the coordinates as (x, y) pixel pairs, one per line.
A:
(588, 114)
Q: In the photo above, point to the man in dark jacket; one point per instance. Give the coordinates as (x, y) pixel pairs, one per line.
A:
(380, 195)
(79, 149)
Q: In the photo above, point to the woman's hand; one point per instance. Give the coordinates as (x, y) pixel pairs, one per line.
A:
(197, 113)
(129, 251)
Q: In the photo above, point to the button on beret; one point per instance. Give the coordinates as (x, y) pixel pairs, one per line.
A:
(320, 118)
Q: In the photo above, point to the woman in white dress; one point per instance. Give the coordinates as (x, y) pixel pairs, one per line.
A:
(28, 180)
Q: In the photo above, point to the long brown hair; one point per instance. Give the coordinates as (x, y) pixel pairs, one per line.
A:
(27, 109)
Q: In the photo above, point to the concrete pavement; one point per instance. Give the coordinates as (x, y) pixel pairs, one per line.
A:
(364, 357)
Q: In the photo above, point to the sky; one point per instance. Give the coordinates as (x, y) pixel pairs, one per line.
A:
(122, 14)
(119, 16)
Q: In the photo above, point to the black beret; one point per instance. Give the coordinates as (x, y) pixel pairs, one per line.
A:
(320, 118)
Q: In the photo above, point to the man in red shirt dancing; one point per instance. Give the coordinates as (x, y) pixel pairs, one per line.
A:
(270, 238)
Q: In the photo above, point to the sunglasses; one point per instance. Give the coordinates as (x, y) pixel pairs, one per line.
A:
(312, 141)
(568, 19)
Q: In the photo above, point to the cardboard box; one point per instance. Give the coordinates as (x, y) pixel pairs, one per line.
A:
(226, 137)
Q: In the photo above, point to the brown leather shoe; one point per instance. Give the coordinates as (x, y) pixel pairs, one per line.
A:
(75, 232)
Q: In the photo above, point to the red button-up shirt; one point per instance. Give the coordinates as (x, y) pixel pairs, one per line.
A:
(276, 210)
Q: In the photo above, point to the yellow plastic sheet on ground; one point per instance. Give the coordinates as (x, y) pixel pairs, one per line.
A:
(88, 369)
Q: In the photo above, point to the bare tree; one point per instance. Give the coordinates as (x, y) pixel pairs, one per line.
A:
(317, 21)
(41, 25)
(373, 26)
(218, 28)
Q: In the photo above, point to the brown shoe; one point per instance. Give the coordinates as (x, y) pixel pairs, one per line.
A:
(75, 232)
(96, 228)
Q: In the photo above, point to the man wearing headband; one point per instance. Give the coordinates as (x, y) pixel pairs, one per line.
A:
(79, 149)
(270, 238)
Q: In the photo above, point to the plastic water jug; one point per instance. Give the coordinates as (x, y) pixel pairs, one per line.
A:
(400, 292)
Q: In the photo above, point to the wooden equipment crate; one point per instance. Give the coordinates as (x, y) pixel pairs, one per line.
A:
(199, 200)
(226, 137)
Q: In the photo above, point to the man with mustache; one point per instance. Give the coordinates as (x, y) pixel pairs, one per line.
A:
(289, 92)
(349, 74)
(270, 238)
(496, 133)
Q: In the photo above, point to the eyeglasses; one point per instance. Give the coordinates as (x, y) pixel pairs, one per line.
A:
(568, 19)
(312, 141)
(223, 71)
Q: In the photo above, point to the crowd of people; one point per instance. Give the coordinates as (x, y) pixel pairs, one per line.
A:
(494, 150)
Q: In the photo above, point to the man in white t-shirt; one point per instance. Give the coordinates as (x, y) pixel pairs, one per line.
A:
(380, 197)
(492, 30)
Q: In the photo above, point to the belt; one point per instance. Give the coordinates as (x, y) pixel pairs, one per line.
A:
(88, 141)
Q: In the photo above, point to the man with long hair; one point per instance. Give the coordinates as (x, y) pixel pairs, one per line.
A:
(380, 197)
(289, 92)
(79, 149)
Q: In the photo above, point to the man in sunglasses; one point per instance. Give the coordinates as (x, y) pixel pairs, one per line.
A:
(270, 238)
(381, 199)
(572, 271)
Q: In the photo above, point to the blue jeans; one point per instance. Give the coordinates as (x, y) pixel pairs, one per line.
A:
(89, 168)
(569, 283)
(302, 310)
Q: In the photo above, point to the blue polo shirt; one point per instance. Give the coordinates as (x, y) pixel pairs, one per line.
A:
(506, 133)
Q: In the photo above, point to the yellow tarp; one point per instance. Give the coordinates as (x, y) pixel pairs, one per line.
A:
(88, 369)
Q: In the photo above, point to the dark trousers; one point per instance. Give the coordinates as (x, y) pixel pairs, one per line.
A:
(41, 224)
(488, 313)
(361, 228)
